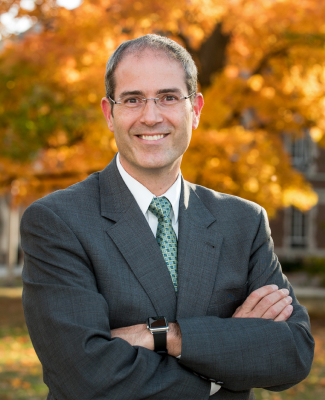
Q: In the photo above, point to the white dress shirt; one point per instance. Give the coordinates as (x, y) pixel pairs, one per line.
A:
(143, 197)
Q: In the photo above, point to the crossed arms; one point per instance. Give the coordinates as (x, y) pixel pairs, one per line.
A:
(68, 321)
(266, 302)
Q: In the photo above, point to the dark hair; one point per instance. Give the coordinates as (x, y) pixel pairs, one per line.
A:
(155, 42)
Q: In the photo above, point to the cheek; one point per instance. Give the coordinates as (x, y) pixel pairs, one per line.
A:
(121, 139)
(186, 141)
(124, 120)
(181, 143)
(121, 128)
(185, 131)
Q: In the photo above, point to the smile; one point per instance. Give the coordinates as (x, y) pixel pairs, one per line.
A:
(152, 137)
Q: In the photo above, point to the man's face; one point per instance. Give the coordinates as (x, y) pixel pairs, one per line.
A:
(151, 138)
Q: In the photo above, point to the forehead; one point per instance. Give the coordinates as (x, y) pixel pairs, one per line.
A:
(149, 71)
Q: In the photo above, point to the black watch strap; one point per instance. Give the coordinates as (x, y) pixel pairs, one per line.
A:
(160, 340)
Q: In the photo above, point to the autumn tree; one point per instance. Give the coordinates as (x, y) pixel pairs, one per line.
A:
(261, 70)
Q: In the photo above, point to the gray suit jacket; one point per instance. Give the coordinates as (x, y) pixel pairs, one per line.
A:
(92, 264)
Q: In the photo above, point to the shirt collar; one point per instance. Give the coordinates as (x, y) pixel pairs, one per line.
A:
(143, 196)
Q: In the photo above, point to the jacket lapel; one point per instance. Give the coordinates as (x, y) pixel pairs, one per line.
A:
(199, 247)
(134, 239)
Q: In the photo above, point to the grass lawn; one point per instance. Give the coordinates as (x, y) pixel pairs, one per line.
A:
(21, 372)
(20, 369)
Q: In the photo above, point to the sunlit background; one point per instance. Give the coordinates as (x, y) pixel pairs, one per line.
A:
(261, 137)
(15, 25)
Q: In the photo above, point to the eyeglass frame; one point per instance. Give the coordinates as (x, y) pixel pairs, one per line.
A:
(152, 98)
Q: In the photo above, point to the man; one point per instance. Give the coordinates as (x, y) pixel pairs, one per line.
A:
(137, 242)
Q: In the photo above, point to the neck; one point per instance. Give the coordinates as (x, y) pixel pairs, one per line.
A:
(157, 181)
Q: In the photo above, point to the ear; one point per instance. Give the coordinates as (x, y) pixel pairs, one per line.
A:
(197, 107)
(107, 111)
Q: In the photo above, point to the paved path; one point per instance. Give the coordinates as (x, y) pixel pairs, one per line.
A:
(17, 270)
(309, 293)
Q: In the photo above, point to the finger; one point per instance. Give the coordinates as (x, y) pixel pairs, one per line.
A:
(269, 301)
(255, 297)
(285, 314)
(277, 308)
(236, 312)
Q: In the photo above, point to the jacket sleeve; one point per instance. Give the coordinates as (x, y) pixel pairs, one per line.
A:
(248, 353)
(68, 321)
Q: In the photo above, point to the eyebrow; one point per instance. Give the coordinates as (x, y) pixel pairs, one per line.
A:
(171, 90)
(131, 92)
(140, 93)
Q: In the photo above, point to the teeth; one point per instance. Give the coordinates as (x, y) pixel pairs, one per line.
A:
(154, 137)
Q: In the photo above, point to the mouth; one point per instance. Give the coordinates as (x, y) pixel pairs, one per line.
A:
(152, 137)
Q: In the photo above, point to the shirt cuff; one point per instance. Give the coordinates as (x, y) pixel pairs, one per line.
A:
(214, 388)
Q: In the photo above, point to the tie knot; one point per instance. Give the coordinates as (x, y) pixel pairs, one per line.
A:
(160, 207)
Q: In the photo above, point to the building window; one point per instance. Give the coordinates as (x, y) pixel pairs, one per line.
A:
(299, 234)
(300, 151)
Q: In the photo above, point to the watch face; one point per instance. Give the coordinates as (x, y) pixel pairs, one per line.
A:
(157, 322)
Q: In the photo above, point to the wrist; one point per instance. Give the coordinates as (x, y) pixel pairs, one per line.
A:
(149, 342)
(174, 339)
(158, 327)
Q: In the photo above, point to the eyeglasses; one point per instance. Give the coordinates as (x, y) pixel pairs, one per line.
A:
(162, 101)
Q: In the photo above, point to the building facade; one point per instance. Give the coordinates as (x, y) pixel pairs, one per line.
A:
(299, 234)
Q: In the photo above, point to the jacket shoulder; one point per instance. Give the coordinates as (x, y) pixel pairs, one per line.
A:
(221, 204)
(81, 195)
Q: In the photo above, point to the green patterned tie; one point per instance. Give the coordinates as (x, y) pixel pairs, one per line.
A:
(166, 237)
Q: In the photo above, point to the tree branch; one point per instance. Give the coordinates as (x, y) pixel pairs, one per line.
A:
(267, 57)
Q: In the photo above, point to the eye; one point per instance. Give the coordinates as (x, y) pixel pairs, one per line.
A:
(132, 100)
(170, 98)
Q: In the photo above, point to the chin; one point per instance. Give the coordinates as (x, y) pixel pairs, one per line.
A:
(157, 162)
(153, 165)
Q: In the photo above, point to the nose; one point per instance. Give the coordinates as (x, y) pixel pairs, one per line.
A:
(151, 114)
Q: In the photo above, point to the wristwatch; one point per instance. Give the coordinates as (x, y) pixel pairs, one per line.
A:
(158, 326)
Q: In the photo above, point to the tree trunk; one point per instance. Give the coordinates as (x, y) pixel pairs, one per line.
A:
(212, 55)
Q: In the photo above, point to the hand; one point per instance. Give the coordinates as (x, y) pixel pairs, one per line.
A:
(266, 302)
(139, 335)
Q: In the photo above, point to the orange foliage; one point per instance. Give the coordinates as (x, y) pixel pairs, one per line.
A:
(52, 133)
